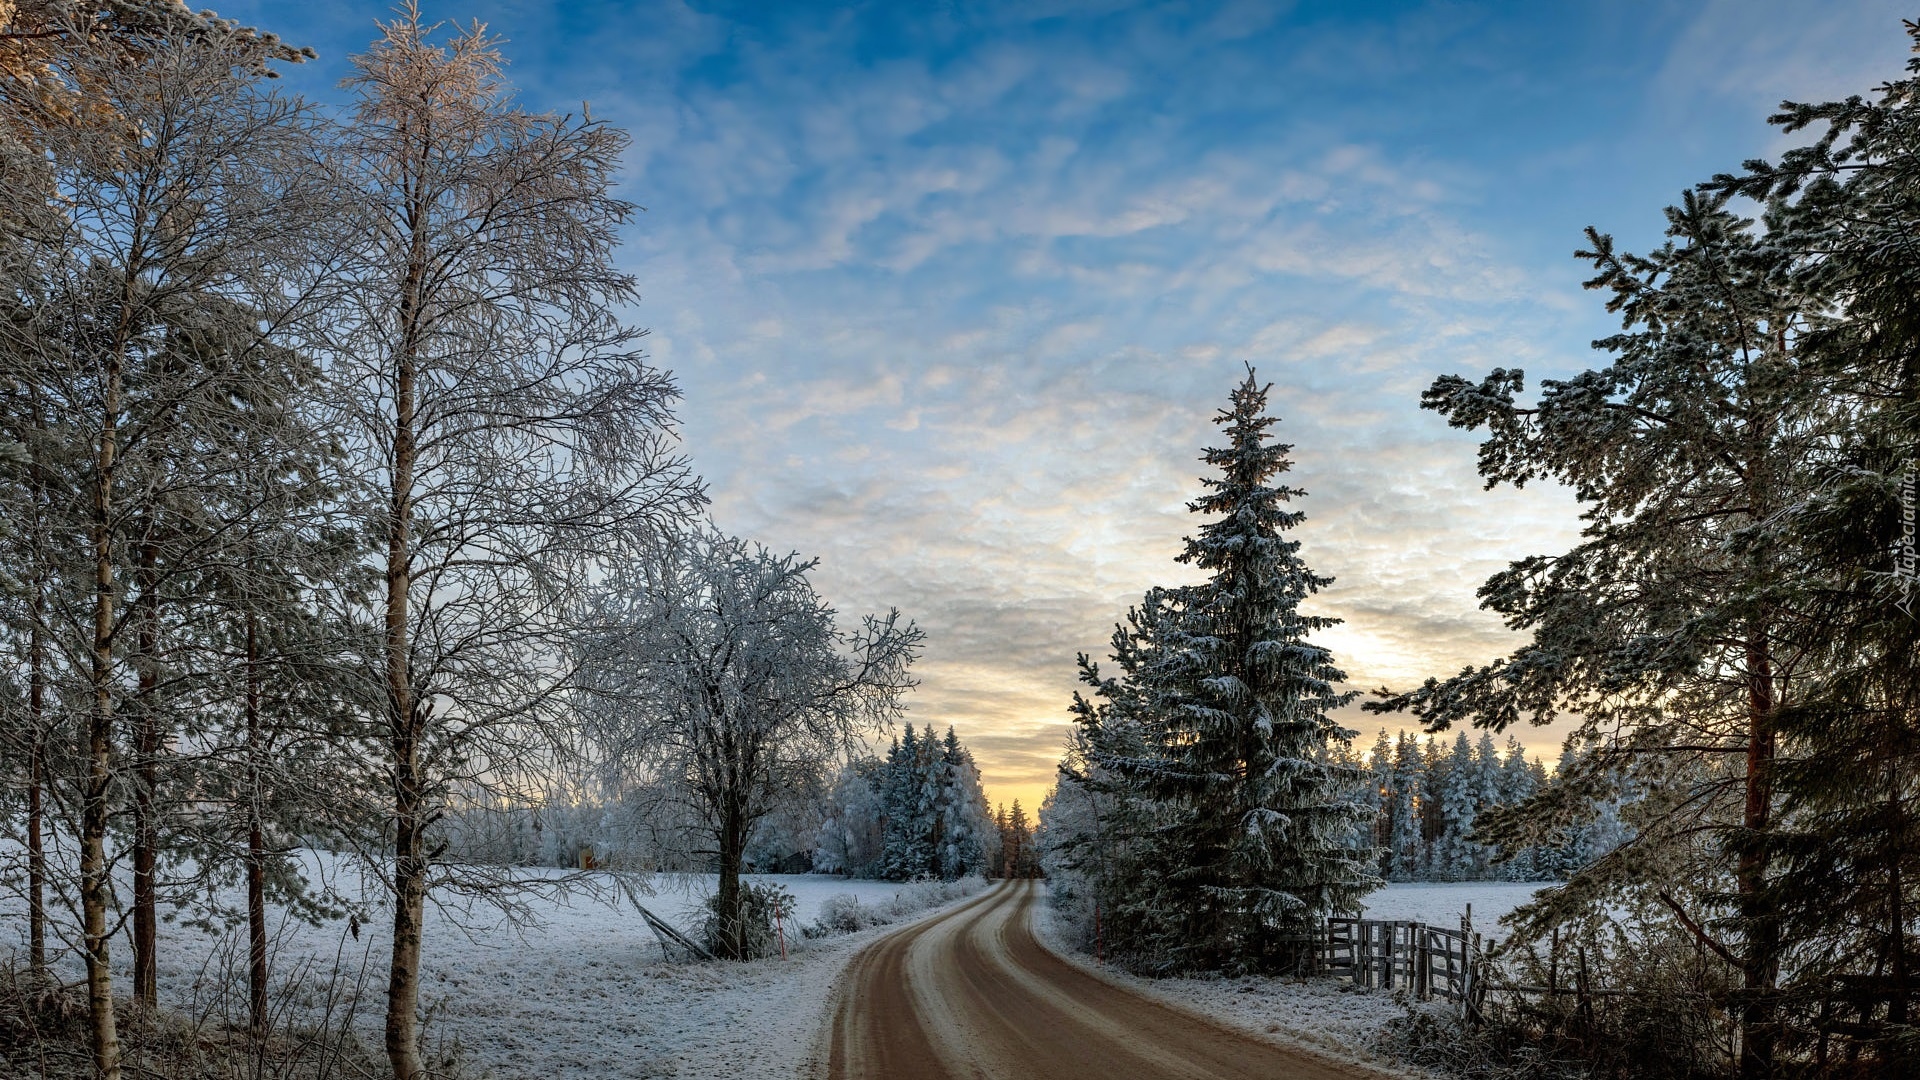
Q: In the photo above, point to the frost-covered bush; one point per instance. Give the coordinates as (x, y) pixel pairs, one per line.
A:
(760, 904)
(842, 914)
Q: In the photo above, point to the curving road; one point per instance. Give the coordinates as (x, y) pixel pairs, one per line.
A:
(973, 994)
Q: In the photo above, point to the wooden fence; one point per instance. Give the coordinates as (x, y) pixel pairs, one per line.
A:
(1428, 961)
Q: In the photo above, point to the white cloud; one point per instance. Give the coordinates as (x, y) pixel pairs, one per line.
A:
(957, 319)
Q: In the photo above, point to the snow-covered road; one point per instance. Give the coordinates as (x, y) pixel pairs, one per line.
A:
(975, 994)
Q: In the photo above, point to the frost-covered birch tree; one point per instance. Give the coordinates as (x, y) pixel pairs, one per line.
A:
(504, 420)
(719, 673)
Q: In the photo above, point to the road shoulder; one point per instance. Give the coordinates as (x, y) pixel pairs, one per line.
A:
(1318, 1017)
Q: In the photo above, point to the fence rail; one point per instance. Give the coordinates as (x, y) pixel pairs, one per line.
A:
(1392, 954)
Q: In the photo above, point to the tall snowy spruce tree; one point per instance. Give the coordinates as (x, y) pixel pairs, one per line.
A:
(1241, 827)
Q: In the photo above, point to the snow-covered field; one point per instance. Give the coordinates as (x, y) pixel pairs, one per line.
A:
(580, 990)
(678, 897)
(1445, 904)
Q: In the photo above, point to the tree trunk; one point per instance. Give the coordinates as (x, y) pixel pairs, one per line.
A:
(37, 714)
(733, 849)
(256, 845)
(409, 826)
(1898, 1013)
(1760, 950)
(146, 927)
(409, 909)
(36, 781)
(96, 886)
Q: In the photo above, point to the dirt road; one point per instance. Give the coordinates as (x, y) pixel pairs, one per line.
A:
(974, 994)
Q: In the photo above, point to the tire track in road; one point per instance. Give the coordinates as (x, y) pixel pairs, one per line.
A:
(974, 995)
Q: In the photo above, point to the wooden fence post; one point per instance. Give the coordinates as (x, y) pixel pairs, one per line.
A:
(1362, 954)
(1392, 946)
(1417, 938)
(1466, 963)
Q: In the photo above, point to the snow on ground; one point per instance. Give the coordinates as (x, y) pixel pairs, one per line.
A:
(1329, 1016)
(565, 1005)
(678, 897)
(1324, 1016)
(1442, 904)
(581, 991)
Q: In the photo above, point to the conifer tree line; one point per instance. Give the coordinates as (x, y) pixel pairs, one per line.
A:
(918, 812)
(1019, 855)
(341, 513)
(1428, 797)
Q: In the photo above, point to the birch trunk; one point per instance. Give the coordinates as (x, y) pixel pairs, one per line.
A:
(409, 862)
(96, 887)
(256, 843)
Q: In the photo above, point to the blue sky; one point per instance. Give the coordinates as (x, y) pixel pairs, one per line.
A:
(953, 289)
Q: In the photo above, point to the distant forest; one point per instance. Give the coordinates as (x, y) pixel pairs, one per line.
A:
(916, 811)
(1429, 794)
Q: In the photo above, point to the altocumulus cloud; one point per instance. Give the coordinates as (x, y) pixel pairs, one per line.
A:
(953, 294)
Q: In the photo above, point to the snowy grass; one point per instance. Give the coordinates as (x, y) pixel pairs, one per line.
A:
(582, 990)
(1326, 1017)
(846, 913)
(846, 904)
(579, 990)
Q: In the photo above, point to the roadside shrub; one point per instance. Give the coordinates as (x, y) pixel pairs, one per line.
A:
(1605, 1000)
(760, 903)
(842, 914)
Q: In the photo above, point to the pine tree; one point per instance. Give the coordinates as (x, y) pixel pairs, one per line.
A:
(905, 856)
(1516, 781)
(1381, 796)
(1456, 855)
(918, 812)
(1847, 202)
(1021, 860)
(962, 804)
(1674, 626)
(1434, 767)
(930, 782)
(167, 189)
(1408, 848)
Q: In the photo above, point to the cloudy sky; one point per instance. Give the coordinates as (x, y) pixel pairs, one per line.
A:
(954, 288)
